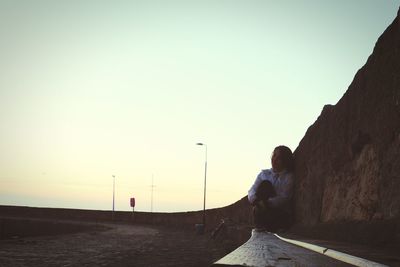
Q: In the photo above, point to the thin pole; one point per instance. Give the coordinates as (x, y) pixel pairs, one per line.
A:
(152, 187)
(205, 186)
(113, 205)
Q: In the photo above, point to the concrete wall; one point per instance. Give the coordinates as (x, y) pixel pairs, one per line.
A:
(238, 214)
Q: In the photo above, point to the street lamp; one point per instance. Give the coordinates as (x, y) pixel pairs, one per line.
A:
(205, 184)
(113, 196)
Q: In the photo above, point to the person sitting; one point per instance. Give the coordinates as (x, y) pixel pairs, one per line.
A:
(272, 192)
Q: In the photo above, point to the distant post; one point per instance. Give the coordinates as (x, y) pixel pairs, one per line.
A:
(152, 189)
(205, 185)
(113, 205)
(133, 206)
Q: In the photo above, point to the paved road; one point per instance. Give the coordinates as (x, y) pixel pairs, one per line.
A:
(115, 245)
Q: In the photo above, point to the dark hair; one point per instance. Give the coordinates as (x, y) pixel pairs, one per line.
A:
(287, 157)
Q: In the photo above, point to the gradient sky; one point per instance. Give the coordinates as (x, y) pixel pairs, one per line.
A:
(91, 89)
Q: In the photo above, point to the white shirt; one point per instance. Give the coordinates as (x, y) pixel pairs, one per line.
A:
(282, 183)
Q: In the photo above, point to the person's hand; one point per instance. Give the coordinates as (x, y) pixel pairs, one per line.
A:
(261, 204)
(254, 203)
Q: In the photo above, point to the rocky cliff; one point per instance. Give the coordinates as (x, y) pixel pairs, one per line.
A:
(348, 163)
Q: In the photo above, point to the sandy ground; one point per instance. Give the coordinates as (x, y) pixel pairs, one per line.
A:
(114, 245)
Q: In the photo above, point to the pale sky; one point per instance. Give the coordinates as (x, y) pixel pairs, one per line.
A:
(91, 89)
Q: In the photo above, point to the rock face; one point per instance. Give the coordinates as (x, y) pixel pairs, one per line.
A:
(348, 163)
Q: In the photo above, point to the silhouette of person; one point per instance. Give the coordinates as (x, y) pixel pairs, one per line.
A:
(272, 192)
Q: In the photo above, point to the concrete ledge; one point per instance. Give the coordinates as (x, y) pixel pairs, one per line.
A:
(266, 249)
(357, 261)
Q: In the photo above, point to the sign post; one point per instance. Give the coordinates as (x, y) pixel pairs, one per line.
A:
(133, 206)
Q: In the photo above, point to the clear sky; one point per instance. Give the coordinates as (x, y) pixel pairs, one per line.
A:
(91, 89)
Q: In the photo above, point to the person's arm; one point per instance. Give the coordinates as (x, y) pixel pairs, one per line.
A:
(252, 192)
(284, 195)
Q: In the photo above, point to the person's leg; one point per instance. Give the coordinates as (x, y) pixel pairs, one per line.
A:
(268, 218)
(262, 214)
(264, 191)
(277, 219)
(284, 220)
(263, 218)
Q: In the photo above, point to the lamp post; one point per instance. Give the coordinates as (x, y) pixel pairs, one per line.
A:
(205, 184)
(152, 189)
(113, 197)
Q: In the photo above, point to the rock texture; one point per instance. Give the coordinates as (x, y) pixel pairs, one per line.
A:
(348, 163)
